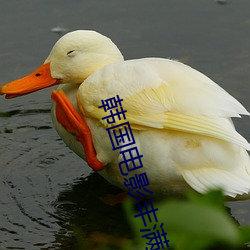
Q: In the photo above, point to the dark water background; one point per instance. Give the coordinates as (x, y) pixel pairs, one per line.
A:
(46, 191)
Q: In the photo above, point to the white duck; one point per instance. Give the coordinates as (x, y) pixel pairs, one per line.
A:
(179, 117)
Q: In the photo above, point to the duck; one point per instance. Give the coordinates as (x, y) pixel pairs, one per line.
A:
(179, 119)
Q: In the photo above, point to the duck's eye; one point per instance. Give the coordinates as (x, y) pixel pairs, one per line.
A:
(70, 52)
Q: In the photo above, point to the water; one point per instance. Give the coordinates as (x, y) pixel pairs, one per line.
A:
(47, 192)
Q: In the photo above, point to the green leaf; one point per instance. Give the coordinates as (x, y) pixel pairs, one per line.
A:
(245, 234)
(213, 198)
(197, 220)
(188, 224)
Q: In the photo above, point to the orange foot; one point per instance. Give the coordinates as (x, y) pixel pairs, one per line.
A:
(113, 199)
(71, 120)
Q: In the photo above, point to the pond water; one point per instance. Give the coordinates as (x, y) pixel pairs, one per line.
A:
(47, 192)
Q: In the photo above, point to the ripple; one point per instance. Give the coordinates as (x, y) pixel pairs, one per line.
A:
(8, 131)
(35, 127)
(65, 209)
(23, 112)
(6, 230)
(28, 220)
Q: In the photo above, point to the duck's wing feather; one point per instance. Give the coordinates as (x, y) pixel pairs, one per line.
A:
(164, 94)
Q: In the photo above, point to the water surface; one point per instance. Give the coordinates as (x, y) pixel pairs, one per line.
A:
(46, 190)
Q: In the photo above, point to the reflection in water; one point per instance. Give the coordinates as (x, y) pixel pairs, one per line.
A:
(48, 193)
(87, 217)
(30, 180)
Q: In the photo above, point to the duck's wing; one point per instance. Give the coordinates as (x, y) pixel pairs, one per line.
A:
(164, 94)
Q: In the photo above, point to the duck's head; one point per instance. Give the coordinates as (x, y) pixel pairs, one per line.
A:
(73, 58)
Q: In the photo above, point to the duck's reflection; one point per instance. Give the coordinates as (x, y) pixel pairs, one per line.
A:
(86, 220)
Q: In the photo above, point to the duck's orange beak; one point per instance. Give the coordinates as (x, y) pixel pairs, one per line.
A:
(41, 78)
